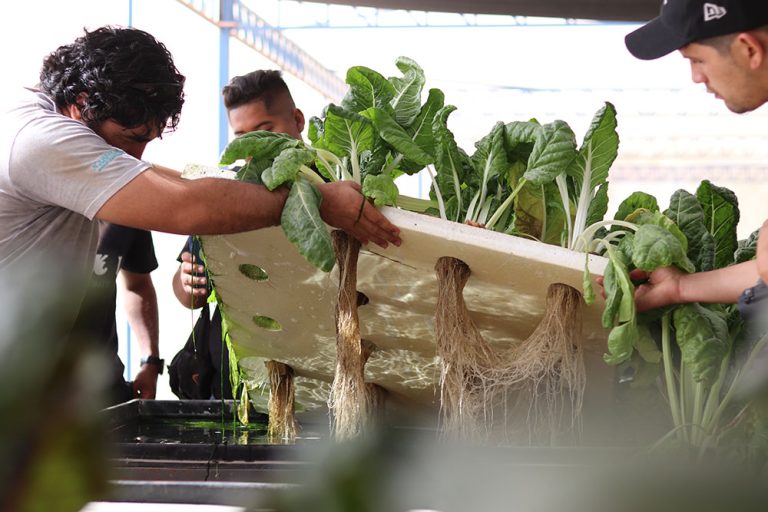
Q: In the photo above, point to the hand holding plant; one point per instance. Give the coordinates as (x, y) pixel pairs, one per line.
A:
(343, 206)
(659, 288)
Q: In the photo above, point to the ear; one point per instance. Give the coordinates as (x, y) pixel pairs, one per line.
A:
(75, 111)
(298, 116)
(752, 49)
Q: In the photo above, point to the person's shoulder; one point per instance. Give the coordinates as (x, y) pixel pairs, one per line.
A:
(29, 99)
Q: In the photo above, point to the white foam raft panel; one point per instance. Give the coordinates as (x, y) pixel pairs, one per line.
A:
(505, 294)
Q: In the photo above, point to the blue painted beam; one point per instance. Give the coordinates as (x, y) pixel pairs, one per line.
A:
(225, 22)
(256, 33)
(248, 27)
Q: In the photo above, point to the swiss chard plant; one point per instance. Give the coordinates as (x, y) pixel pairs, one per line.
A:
(691, 346)
(526, 178)
(380, 131)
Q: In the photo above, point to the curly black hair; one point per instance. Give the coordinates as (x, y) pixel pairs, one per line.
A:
(260, 85)
(127, 75)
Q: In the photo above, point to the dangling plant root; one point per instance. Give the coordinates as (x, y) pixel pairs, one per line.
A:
(543, 373)
(464, 355)
(375, 401)
(549, 365)
(282, 418)
(347, 402)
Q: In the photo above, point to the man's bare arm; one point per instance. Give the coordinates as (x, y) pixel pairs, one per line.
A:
(159, 199)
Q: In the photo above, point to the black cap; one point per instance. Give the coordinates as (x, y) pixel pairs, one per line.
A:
(686, 21)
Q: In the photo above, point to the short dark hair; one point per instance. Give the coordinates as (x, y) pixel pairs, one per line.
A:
(128, 75)
(723, 43)
(260, 85)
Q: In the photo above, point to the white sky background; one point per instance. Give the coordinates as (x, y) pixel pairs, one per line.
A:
(664, 119)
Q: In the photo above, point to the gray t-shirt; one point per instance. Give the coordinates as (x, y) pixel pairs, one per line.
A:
(55, 175)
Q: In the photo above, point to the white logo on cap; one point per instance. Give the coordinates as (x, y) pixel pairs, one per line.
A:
(713, 12)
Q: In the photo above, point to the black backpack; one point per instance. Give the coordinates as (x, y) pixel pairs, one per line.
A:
(191, 372)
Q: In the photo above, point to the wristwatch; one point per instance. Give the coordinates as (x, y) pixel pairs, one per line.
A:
(155, 361)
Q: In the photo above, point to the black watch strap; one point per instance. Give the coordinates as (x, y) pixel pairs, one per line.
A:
(155, 361)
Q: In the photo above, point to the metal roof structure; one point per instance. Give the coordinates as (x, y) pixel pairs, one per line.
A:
(613, 10)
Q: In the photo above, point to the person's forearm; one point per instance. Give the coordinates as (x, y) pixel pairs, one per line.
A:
(141, 309)
(159, 200)
(722, 286)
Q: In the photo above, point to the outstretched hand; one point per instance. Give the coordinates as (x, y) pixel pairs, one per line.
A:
(344, 207)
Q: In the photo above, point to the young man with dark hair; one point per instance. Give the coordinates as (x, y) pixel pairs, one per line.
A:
(70, 154)
(726, 43)
(259, 100)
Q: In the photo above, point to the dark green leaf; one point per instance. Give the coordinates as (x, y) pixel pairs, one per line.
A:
(599, 205)
(347, 133)
(646, 345)
(597, 151)
(406, 101)
(655, 247)
(450, 163)
(633, 202)
(286, 166)
(721, 213)
(686, 212)
(251, 172)
(389, 130)
(747, 249)
(702, 335)
(421, 130)
(367, 89)
(260, 145)
(553, 151)
(642, 217)
(303, 226)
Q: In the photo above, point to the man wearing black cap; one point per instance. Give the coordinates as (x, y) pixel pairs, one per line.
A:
(726, 43)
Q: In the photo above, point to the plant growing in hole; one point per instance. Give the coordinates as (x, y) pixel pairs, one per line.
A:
(380, 131)
(527, 179)
(692, 346)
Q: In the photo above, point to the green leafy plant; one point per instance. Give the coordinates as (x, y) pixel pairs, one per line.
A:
(380, 131)
(528, 179)
(691, 345)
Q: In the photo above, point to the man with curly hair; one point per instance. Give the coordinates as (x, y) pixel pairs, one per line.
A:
(70, 154)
